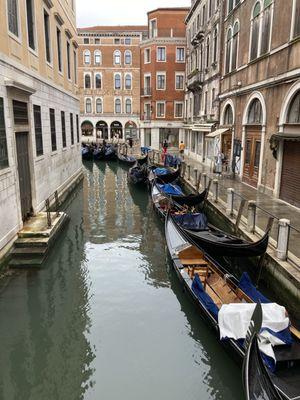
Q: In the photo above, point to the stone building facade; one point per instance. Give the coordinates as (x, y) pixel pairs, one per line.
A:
(203, 66)
(109, 81)
(260, 93)
(39, 108)
(163, 55)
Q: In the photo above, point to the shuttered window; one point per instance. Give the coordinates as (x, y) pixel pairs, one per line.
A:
(77, 128)
(72, 128)
(53, 129)
(63, 129)
(38, 130)
(20, 113)
(12, 11)
(3, 142)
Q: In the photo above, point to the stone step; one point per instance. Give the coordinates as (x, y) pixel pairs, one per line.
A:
(32, 243)
(26, 263)
(29, 251)
(37, 228)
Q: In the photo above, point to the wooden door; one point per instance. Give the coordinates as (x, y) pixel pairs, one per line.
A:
(290, 176)
(24, 174)
(252, 156)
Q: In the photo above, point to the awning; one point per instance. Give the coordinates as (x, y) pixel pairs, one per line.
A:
(202, 127)
(285, 136)
(216, 133)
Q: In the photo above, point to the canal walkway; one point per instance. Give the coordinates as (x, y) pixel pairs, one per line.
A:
(266, 205)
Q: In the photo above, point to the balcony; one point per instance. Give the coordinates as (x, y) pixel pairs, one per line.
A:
(198, 37)
(146, 92)
(195, 80)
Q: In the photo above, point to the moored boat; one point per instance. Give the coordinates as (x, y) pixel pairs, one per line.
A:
(126, 159)
(165, 175)
(86, 153)
(138, 174)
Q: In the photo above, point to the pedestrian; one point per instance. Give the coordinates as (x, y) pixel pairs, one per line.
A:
(165, 149)
(181, 149)
(130, 142)
(219, 162)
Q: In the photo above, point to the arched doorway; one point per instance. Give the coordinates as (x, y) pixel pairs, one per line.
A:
(101, 130)
(252, 147)
(116, 128)
(87, 128)
(131, 130)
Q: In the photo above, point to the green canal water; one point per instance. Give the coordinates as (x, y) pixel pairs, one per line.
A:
(105, 317)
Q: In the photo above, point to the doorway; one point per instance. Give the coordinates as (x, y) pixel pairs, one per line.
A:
(252, 157)
(24, 174)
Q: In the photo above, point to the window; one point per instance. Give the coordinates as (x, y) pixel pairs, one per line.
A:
(20, 112)
(97, 57)
(77, 128)
(178, 110)
(68, 60)
(128, 81)
(215, 44)
(3, 143)
(118, 106)
(30, 23)
(147, 59)
(228, 115)
(294, 110)
(210, 8)
(180, 54)
(87, 57)
(230, 5)
(58, 43)
(160, 109)
(228, 50)
(99, 106)
(128, 41)
(52, 129)
(153, 28)
(98, 81)
(255, 112)
(47, 36)
(117, 41)
(234, 51)
(72, 128)
(128, 106)
(161, 54)
(38, 130)
(12, 11)
(179, 81)
(97, 41)
(161, 81)
(117, 57)
(147, 111)
(296, 29)
(63, 129)
(87, 81)
(255, 31)
(86, 40)
(266, 27)
(128, 57)
(203, 15)
(75, 66)
(207, 53)
(117, 81)
(88, 106)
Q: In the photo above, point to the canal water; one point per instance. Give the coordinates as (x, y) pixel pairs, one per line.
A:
(105, 317)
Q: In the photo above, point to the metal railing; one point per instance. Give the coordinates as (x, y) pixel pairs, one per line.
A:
(52, 205)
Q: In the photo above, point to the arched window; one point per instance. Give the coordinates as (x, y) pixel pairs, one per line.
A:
(88, 106)
(207, 53)
(201, 57)
(128, 106)
(97, 57)
(234, 51)
(255, 27)
(99, 106)
(294, 110)
(87, 57)
(87, 81)
(128, 81)
(118, 106)
(215, 44)
(266, 27)
(255, 112)
(228, 115)
(117, 57)
(117, 81)
(228, 50)
(128, 57)
(230, 6)
(98, 81)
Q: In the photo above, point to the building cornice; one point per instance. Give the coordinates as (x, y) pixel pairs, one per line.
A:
(156, 41)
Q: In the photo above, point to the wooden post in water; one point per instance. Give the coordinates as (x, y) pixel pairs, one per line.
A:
(215, 190)
(189, 172)
(204, 179)
(195, 176)
(198, 181)
(251, 219)
(229, 205)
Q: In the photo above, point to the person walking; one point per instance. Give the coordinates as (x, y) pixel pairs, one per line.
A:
(165, 149)
(181, 149)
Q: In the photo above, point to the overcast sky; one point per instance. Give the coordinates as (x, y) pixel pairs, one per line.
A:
(120, 12)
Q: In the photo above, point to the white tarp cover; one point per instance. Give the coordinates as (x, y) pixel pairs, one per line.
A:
(234, 320)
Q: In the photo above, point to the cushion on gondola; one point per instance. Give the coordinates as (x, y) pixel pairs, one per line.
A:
(161, 171)
(204, 298)
(170, 189)
(250, 290)
(197, 221)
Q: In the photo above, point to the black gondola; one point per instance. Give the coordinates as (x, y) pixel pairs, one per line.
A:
(214, 241)
(210, 286)
(99, 154)
(138, 174)
(125, 159)
(168, 176)
(87, 153)
(256, 379)
(110, 153)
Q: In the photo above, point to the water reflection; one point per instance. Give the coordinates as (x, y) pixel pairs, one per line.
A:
(104, 317)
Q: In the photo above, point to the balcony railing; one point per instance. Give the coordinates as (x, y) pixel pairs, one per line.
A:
(147, 91)
(195, 80)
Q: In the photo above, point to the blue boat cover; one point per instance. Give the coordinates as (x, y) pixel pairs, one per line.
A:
(161, 171)
(84, 150)
(197, 221)
(145, 149)
(109, 150)
(204, 298)
(172, 161)
(247, 287)
(171, 190)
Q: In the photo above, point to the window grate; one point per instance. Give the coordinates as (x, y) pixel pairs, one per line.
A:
(38, 130)
(3, 142)
(20, 113)
(53, 129)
